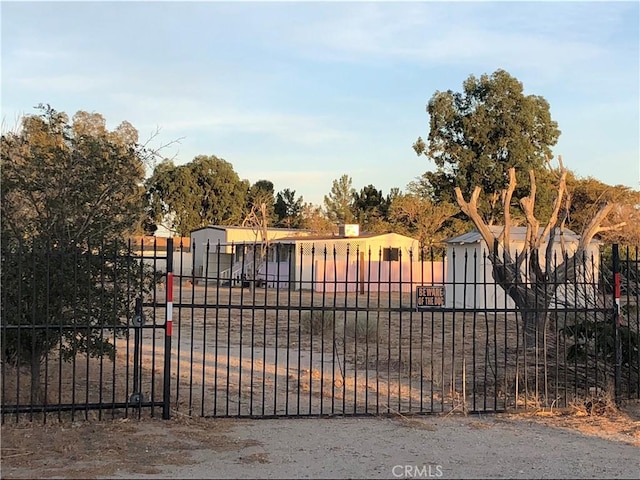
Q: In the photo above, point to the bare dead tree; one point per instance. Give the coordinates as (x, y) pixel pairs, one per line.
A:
(258, 220)
(531, 277)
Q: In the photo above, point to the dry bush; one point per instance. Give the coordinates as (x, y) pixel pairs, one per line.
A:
(340, 326)
(597, 403)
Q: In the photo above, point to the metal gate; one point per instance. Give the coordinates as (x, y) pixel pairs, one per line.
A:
(354, 333)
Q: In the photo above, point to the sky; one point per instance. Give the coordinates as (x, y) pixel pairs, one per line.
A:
(300, 93)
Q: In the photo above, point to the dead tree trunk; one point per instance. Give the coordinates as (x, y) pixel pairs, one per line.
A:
(530, 277)
(258, 220)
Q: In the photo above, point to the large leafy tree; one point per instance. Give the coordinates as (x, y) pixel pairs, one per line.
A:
(203, 192)
(71, 192)
(478, 134)
(288, 209)
(339, 203)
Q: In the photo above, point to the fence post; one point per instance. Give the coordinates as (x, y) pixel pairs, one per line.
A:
(616, 321)
(168, 327)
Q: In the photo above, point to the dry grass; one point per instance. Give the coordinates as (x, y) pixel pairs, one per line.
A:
(594, 415)
(94, 449)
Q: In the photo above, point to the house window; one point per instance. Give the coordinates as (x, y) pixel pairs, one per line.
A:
(391, 254)
(279, 253)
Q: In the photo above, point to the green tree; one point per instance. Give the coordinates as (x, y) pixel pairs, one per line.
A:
(339, 203)
(203, 192)
(288, 209)
(71, 193)
(370, 208)
(476, 135)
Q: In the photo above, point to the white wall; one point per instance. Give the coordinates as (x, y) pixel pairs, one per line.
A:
(199, 239)
(182, 263)
(477, 288)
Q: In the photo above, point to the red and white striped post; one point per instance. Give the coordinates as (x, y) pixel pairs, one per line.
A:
(168, 331)
(169, 324)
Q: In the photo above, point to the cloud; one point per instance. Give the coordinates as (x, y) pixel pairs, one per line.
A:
(517, 36)
(184, 114)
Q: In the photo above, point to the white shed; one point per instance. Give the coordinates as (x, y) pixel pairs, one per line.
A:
(469, 281)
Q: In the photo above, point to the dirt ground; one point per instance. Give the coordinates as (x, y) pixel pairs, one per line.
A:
(533, 445)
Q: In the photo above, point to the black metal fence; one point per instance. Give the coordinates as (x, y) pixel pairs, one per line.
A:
(76, 337)
(304, 329)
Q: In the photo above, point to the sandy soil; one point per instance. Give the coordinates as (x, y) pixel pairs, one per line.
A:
(538, 445)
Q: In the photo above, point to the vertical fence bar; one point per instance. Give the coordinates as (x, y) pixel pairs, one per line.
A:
(355, 328)
(153, 330)
(168, 331)
(474, 386)
(3, 338)
(278, 258)
(265, 251)
(253, 286)
(366, 355)
(636, 266)
(239, 253)
(616, 321)
(633, 299)
(322, 323)
(114, 324)
(344, 332)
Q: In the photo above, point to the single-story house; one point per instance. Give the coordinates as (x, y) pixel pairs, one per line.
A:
(469, 279)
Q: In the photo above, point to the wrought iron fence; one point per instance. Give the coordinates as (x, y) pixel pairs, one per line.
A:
(307, 329)
(312, 329)
(80, 335)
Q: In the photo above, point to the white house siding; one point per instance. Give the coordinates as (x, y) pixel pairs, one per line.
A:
(182, 263)
(337, 264)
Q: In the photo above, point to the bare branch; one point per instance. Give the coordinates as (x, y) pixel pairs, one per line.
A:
(506, 233)
(151, 154)
(471, 210)
(556, 207)
(594, 226)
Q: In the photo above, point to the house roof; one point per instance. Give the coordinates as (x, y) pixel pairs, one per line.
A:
(323, 238)
(518, 234)
(225, 228)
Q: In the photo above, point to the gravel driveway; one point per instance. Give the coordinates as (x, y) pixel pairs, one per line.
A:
(451, 446)
(431, 447)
